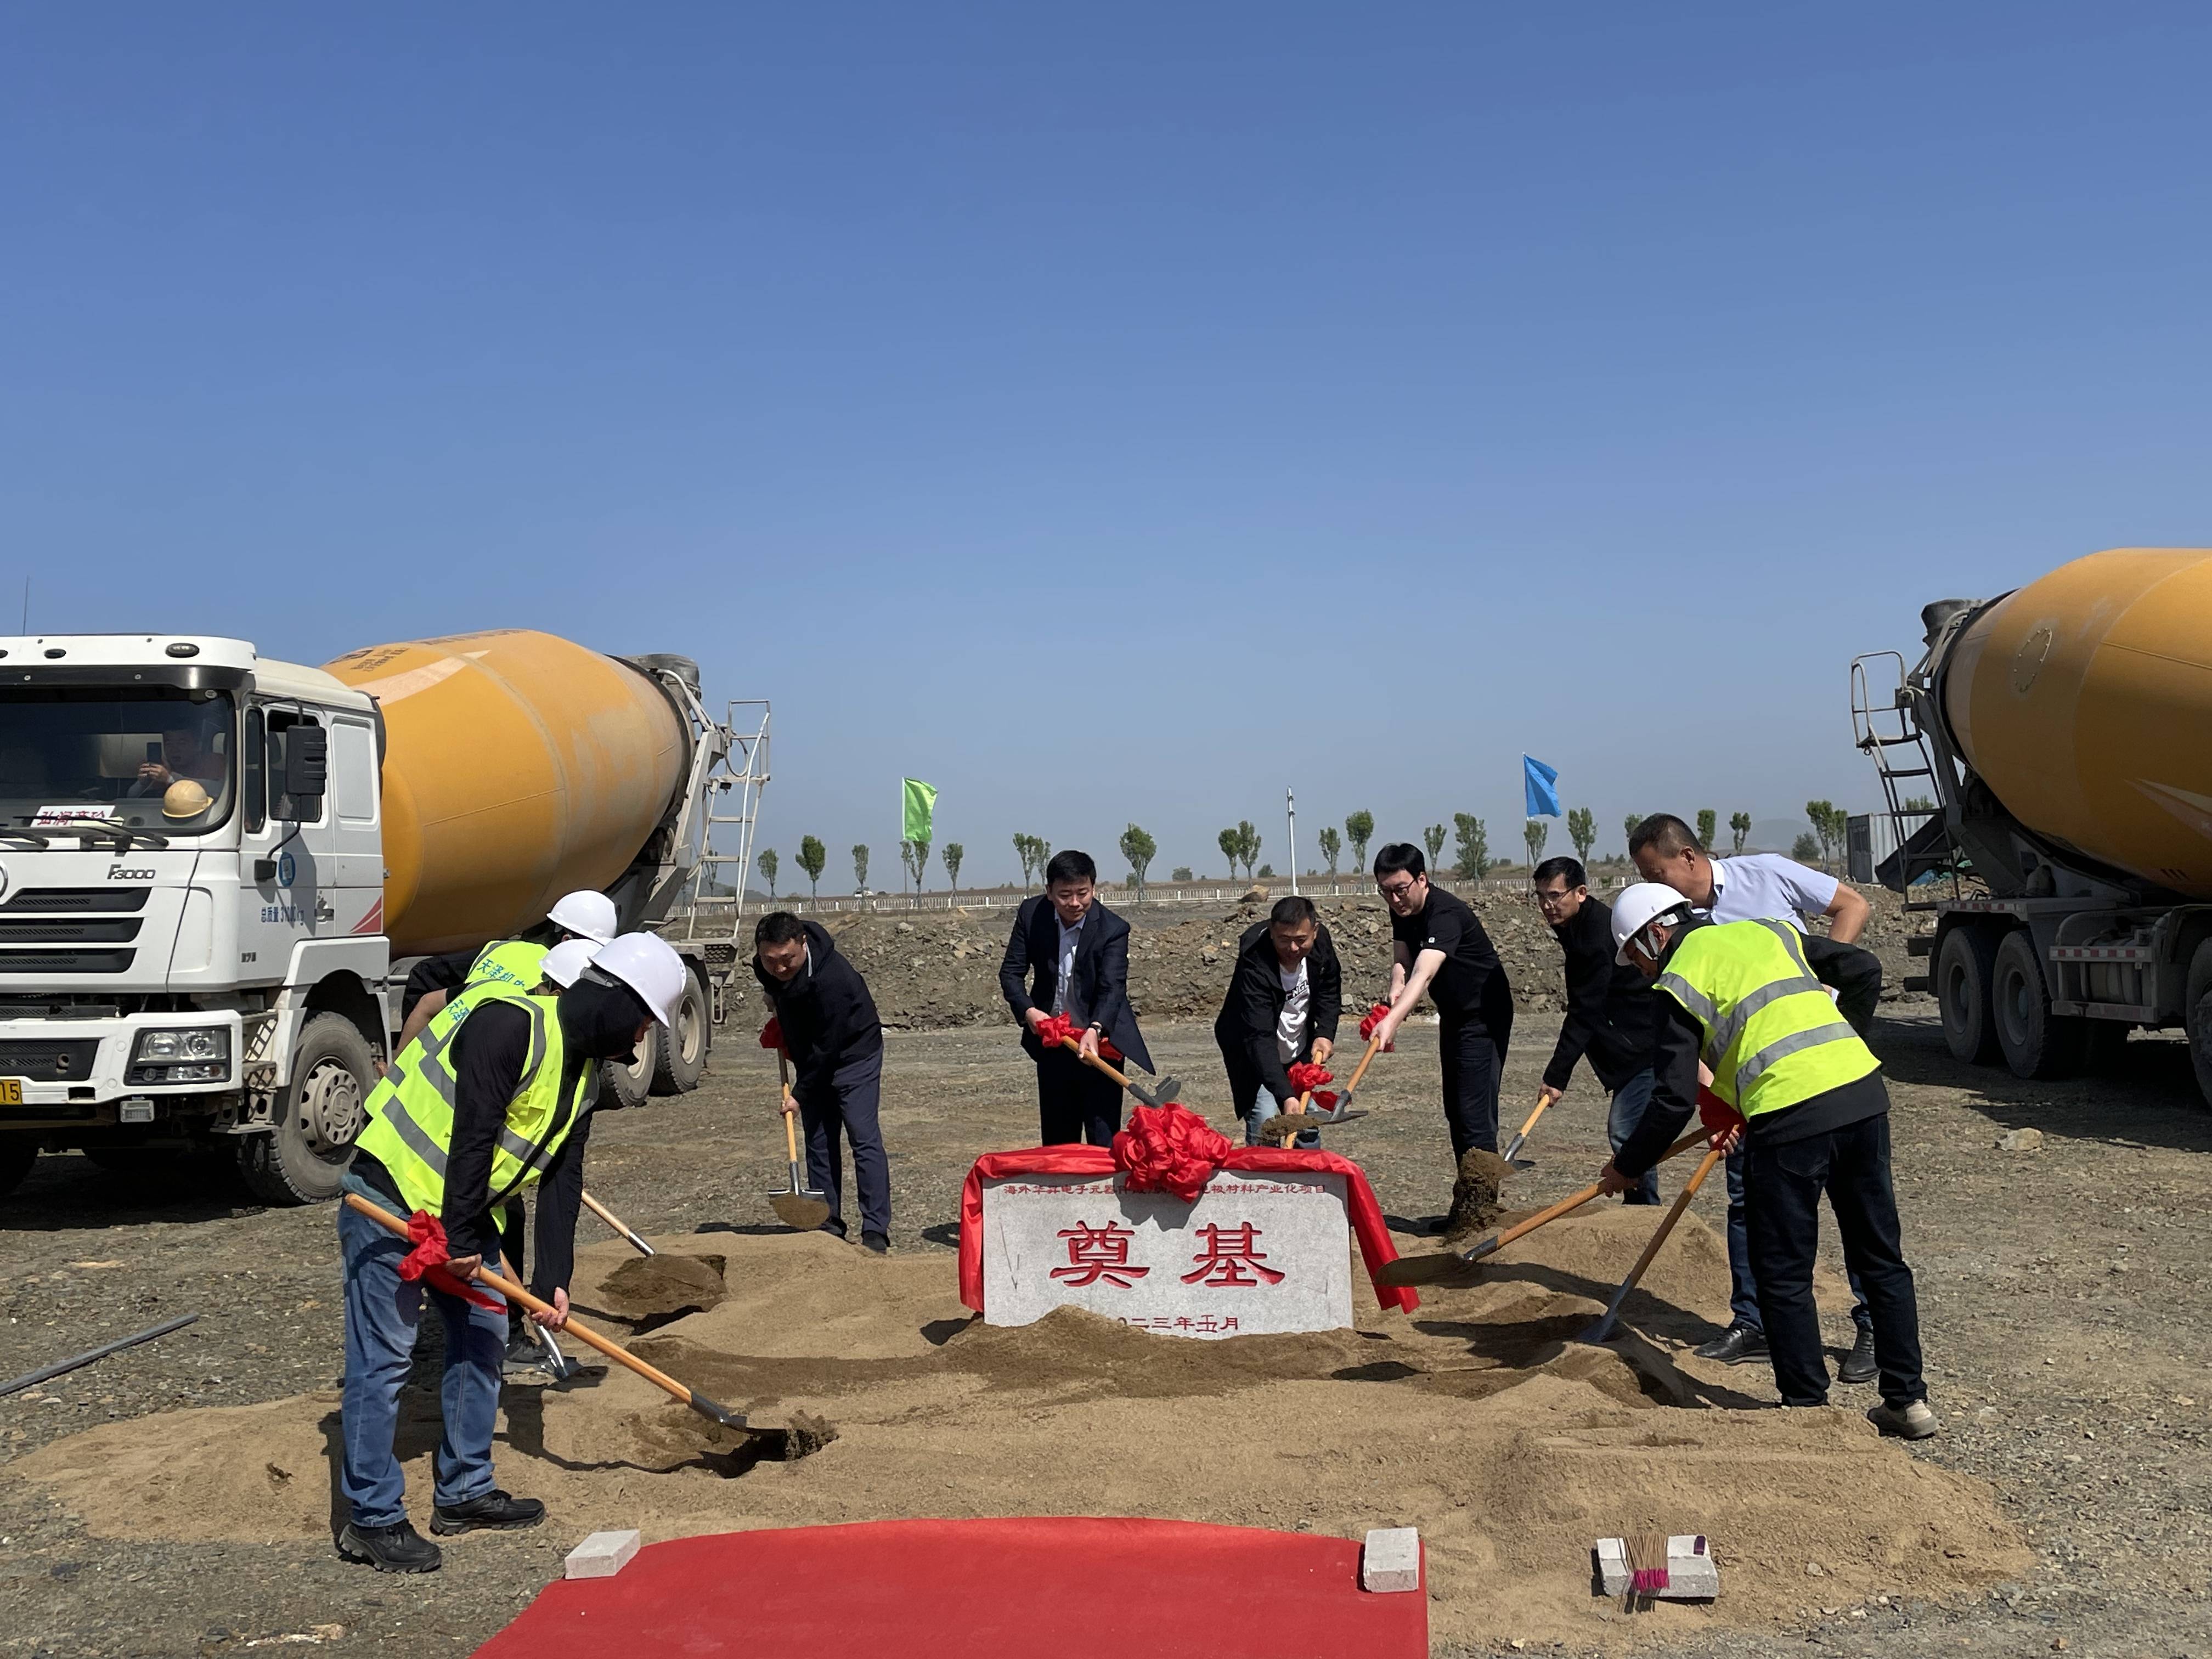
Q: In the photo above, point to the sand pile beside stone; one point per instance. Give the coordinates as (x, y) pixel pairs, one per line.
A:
(1478, 1419)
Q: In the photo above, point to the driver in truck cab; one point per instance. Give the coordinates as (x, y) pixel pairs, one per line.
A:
(490, 1101)
(184, 756)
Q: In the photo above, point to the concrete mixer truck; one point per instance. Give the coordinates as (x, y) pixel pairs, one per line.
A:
(2063, 733)
(215, 870)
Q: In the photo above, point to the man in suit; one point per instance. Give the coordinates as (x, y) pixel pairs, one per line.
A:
(1283, 1005)
(1075, 954)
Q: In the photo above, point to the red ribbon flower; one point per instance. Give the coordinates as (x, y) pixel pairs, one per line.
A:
(1306, 1077)
(1059, 1028)
(1718, 1117)
(1374, 1019)
(772, 1033)
(427, 1261)
(1170, 1149)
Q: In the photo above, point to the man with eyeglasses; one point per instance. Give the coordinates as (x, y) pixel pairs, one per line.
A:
(1612, 1012)
(1437, 945)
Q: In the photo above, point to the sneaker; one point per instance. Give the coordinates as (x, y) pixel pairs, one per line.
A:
(390, 1549)
(1858, 1365)
(1734, 1345)
(875, 1243)
(494, 1511)
(1914, 1420)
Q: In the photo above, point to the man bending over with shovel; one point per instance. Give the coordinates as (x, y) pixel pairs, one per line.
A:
(487, 1103)
(1075, 953)
(1816, 1119)
(832, 1036)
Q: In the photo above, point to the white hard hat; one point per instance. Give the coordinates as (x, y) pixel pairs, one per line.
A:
(649, 965)
(566, 960)
(586, 915)
(1636, 908)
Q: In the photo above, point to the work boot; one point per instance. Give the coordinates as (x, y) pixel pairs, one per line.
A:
(1914, 1420)
(1735, 1346)
(494, 1511)
(526, 1361)
(875, 1243)
(390, 1549)
(1858, 1365)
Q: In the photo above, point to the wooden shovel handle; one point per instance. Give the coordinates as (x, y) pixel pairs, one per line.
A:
(1360, 1070)
(1713, 1156)
(1092, 1061)
(613, 1221)
(1542, 1100)
(791, 1135)
(514, 1293)
(790, 1128)
(1566, 1206)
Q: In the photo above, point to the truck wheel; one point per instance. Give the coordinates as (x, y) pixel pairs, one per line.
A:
(2037, 1042)
(301, 1159)
(683, 1047)
(17, 1154)
(1962, 989)
(628, 1085)
(2198, 1013)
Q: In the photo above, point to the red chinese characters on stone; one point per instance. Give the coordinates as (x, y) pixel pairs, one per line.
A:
(1231, 1256)
(1096, 1253)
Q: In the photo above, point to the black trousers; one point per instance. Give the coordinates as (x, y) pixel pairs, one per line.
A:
(1075, 1102)
(1782, 1190)
(1853, 971)
(511, 1227)
(1473, 1060)
(850, 1103)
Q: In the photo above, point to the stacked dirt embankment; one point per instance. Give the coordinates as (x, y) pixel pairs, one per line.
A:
(932, 970)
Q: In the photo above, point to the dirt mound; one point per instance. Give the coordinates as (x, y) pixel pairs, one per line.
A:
(1474, 1194)
(1480, 1418)
(662, 1287)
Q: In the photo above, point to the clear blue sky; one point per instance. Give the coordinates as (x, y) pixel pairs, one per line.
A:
(1117, 412)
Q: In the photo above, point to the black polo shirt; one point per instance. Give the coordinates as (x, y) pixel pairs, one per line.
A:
(1471, 983)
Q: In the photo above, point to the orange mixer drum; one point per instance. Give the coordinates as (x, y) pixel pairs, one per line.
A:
(2085, 700)
(518, 767)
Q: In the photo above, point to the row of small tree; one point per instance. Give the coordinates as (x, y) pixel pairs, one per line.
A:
(814, 858)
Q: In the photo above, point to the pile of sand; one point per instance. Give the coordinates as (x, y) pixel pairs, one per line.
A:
(1478, 1419)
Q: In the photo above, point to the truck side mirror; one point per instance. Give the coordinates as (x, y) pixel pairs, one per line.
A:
(306, 768)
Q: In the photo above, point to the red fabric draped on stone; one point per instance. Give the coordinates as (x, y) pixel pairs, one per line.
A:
(1376, 1250)
(427, 1261)
(1170, 1149)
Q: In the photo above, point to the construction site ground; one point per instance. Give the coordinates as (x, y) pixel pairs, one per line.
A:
(2065, 1304)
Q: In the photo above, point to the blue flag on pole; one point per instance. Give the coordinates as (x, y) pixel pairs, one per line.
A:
(1541, 783)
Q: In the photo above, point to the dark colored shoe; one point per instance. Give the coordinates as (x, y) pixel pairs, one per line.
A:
(1734, 1345)
(524, 1361)
(390, 1549)
(835, 1229)
(1858, 1365)
(875, 1243)
(494, 1511)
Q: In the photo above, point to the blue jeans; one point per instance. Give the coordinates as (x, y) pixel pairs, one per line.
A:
(1743, 1293)
(382, 1313)
(1621, 1121)
(1264, 1107)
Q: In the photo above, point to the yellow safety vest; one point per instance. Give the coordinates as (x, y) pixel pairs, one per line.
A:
(509, 962)
(410, 1113)
(1772, 1036)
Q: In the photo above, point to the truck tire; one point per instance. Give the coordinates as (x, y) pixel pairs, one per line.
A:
(682, 1058)
(628, 1085)
(1962, 991)
(302, 1159)
(18, 1152)
(2037, 1042)
(2197, 1011)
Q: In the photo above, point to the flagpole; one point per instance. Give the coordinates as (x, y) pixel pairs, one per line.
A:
(1291, 812)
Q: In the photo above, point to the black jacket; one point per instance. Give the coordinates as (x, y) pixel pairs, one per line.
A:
(1100, 995)
(1612, 1013)
(1245, 1028)
(827, 1015)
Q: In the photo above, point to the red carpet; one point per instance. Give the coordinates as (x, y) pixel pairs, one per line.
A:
(1071, 1588)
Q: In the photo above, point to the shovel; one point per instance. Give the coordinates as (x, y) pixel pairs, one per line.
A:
(1446, 1265)
(616, 1222)
(1342, 1111)
(591, 1339)
(1603, 1328)
(1513, 1147)
(799, 1208)
(1156, 1096)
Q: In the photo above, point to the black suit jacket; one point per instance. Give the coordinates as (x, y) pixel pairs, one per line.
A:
(1245, 1027)
(1100, 995)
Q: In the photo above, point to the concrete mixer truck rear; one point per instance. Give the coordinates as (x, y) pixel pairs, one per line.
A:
(215, 870)
(2064, 731)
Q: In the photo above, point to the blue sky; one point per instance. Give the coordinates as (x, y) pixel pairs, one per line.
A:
(1118, 413)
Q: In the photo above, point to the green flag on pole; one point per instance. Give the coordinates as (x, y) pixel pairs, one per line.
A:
(917, 806)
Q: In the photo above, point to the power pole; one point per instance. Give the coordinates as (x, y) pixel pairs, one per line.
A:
(1291, 813)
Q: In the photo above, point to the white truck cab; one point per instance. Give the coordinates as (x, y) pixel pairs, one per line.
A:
(192, 882)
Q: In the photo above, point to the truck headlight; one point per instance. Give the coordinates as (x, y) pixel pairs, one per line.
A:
(182, 1054)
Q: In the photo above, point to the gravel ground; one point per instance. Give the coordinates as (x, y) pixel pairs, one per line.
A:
(2064, 1303)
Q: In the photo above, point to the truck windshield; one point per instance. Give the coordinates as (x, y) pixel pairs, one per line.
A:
(154, 758)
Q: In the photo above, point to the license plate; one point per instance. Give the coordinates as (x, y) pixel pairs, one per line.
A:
(11, 1091)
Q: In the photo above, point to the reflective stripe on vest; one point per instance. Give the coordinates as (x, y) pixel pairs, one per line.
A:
(411, 1112)
(1772, 1034)
(509, 962)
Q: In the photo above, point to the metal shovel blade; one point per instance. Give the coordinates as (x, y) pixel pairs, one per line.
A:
(1158, 1093)
(1445, 1267)
(714, 1413)
(797, 1208)
(1337, 1114)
